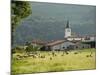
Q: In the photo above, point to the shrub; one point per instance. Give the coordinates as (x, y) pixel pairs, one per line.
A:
(31, 48)
(13, 51)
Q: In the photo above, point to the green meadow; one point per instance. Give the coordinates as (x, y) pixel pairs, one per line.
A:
(48, 61)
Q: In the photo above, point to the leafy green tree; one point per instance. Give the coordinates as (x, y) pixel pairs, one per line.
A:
(29, 48)
(36, 48)
(19, 10)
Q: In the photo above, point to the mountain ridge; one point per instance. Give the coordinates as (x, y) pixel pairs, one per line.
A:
(47, 22)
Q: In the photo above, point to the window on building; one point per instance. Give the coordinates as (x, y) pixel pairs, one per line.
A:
(76, 46)
(63, 47)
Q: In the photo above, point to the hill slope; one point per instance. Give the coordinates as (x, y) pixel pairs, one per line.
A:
(48, 21)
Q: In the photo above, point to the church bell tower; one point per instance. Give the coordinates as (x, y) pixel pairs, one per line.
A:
(67, 30)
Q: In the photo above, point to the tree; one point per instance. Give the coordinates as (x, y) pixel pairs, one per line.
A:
(29, 48)
(19, 10)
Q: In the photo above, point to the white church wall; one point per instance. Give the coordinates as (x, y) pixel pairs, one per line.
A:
(62, 46)
(67, 32)
(77, 38)
(55, 47)
(92, 38)
(71, 39)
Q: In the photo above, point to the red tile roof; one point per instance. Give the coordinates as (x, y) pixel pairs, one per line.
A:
(40, 42)
(55, 42)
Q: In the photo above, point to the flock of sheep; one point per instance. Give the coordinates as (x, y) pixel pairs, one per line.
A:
(51, 54)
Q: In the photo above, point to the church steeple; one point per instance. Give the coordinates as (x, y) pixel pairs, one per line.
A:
(67, 30)
(67, 25)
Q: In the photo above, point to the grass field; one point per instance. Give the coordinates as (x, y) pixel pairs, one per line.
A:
(54, 61)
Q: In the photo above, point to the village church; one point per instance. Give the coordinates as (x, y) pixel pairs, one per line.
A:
(70, 42)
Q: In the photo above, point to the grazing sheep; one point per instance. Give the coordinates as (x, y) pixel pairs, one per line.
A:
(43, 56)
(87, 55)
(34, 56)
(67, 53)
(25, 56)
(50, 58)
(90, 55)
(49, 54)
(31, 55)
(39, 55)
(53, 53)
(75, 52)
(35, 53)
(62, 55)
(18, 58)
(63, 52)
